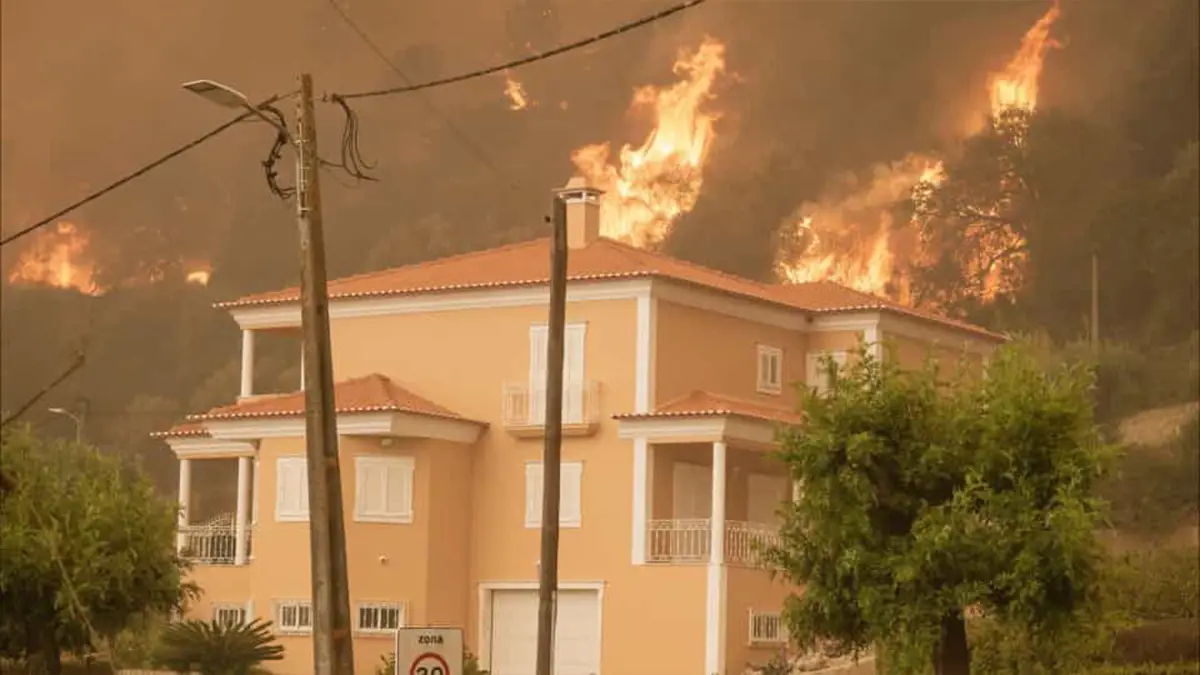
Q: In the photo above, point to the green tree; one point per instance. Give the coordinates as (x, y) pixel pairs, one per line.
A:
(924, 496)
(86, 547)
(214, 648)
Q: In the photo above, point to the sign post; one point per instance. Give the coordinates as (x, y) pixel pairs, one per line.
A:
(429, 651)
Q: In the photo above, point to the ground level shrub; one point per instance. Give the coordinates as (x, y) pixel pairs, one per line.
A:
(1158, 642)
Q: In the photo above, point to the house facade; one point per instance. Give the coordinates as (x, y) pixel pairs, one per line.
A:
(676, 379)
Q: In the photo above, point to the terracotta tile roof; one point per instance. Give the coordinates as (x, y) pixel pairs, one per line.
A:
(528, 264)
(184, 430)
(704, 404)
(373, 393)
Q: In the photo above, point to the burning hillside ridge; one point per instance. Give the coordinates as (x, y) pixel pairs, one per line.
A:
(850, 235)
(651, 186)
(61, 257)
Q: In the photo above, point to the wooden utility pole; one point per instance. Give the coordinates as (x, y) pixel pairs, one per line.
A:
(333, 650)
(1095, 304)
(552, 453)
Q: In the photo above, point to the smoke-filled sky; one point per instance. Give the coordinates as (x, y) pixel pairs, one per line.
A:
(91, 90)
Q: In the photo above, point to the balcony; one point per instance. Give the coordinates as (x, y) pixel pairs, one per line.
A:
(524, 409)
(213, 543)
(687, 541)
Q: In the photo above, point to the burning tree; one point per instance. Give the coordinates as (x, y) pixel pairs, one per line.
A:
(921, 501)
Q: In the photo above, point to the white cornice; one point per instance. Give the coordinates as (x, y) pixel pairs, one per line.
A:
(288, 315)
(395, 425)
(731, 428)
(213, 448)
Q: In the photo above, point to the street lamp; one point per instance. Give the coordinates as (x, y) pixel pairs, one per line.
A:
(228, 97)
(78, 422)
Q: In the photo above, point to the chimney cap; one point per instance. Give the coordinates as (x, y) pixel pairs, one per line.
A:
(578, 186)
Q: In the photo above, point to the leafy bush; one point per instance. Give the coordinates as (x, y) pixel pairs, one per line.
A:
(213, 648)
(1153, 491)
(1158, 642)
(470, 664)
(1147, 669)
(1159, 584)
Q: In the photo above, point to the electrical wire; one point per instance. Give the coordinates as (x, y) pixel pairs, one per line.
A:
(136, 174)
(644, 21)
(462, 137)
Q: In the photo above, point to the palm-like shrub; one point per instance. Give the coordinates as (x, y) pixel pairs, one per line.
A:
(213, 648)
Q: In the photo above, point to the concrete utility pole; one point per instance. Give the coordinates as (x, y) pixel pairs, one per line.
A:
(333, 650)
(552, 454)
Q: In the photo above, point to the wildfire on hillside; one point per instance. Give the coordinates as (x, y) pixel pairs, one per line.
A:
(518, 99)
(59, 258)
(62, 258)
(850, 237)
(651, 186)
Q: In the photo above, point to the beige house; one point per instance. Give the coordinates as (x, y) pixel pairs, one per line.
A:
(676, 379)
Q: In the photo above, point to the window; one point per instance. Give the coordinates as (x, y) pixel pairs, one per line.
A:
(770, 369)
(818, 375)
(291, 489)
(229, 614)
(380, 617)
(570, 489)
(767, 627)
(383, 491)
(293, 616)
(573, 382)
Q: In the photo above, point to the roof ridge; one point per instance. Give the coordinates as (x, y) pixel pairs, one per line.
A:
(686, 263)
(747, 401)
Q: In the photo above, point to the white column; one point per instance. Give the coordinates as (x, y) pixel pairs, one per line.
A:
(874, 342)
(185, 501)
(243, 510)
(643, 481)
(714, 624)
(301, 366)
(247, 363)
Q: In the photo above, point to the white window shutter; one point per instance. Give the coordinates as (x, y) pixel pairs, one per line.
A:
(573, 373)
(398, 491)
(571, 495)
(533, 494)
(291, 489)
(537, 374)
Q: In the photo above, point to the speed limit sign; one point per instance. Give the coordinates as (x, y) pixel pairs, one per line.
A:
(429, 651)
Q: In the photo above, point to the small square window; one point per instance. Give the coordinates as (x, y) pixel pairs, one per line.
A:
(293, 616)
(380, 617)
(229, 615)
(770, 369)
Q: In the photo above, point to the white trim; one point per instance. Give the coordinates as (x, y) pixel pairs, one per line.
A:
(404, 463)
(762, 382)
(644, 352)
(288, 315)
(487, 588)
(845, 322)
(750, 309)
(242, 511)
(388, 424)
(699, 429)
(209, 448)
(642, 480)
(716, 588)
(873, 343)
(247, 387)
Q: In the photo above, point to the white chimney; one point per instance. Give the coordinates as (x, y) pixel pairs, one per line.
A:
(583, 211)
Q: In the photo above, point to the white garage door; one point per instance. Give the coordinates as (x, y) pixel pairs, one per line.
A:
(514, 633)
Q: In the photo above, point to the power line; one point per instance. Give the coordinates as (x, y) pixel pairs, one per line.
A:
(688, 4)
(446, 120)
(129, 177)
(76, 364)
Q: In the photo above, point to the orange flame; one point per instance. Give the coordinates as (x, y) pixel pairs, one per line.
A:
(197, 272)
(57, 258)
(660, 181)
(850, 238)
(515, 91)
(1017, 85)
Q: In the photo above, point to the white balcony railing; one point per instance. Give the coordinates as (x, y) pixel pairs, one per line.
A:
(214, 542)
(524, 408)
(687, 540)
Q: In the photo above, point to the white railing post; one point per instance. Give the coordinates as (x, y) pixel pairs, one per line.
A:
(185, 502)
(242, 512)
(247, 363)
